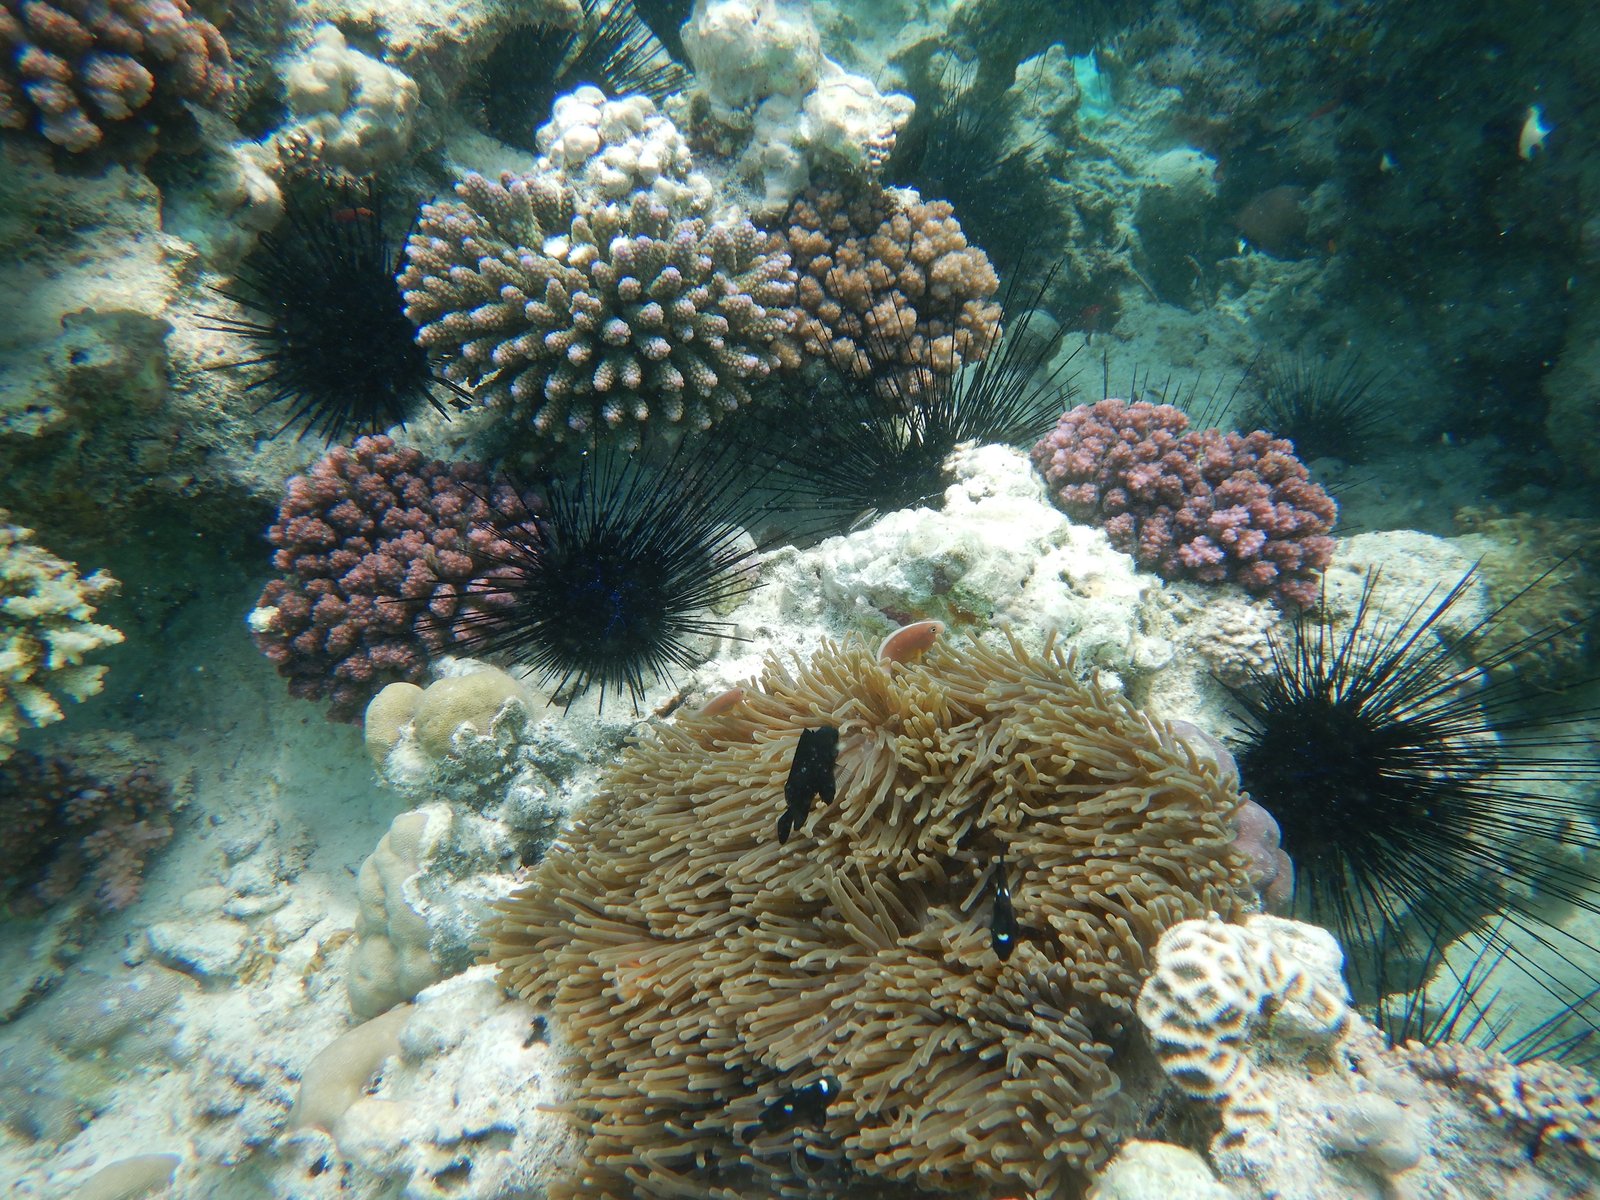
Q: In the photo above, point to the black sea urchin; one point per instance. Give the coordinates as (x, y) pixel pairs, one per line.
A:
(1421, 789)
(851, 447)
(958, 147)
(617, 578)
(613, 49)
(334, 338)
(1327, 409)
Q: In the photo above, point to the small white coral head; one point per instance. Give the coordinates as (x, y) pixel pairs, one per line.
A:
(1534, 133)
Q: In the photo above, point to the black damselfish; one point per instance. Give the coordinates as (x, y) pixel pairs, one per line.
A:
(797, 1105)
(810, 775)
(1003, 929)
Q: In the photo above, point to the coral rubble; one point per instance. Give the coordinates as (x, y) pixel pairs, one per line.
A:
(702, 972)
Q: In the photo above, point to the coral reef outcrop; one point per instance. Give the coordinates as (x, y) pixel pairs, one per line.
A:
(925, 984)
(763, 85)
(1192, 504)
(350, 112)
(47, 628)
(889, 285)
(1255, 1020)
(71, 68)
(378, 548)
(599, 296)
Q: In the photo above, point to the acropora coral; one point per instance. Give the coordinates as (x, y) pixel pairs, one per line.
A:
(594, 319)
(1192, 504)
(71, 68)
(378, 549)
(709, 977)
(47, 628)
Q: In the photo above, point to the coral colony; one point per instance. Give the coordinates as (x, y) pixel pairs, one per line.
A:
(805, 746)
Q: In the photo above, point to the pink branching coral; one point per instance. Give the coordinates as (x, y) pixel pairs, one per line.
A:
(1192, 504)
(66, 823)
(72, 67)
(379, 549)
(889, 281)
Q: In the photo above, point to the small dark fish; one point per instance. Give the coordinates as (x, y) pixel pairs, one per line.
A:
(1003, 928)
(797, 1105)
(810, 775)
(352, 214)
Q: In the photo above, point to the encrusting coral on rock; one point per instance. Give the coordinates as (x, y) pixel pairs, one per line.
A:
(1192, 504)
(925, 985)
(70, 68)
(598, 296)
(46, 630)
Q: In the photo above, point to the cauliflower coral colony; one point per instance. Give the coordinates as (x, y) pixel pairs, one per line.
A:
(579, 351)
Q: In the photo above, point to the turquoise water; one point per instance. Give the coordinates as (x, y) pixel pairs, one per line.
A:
(458, 461)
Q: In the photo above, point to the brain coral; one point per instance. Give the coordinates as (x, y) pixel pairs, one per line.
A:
(888, 281)
(705, 974)
(46, 629)
(593, 316)
(75, 66)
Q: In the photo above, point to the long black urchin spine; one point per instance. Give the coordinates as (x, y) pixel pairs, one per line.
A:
(618, 579)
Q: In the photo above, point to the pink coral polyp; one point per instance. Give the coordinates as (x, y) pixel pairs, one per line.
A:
(377, 548)
(1192, 504)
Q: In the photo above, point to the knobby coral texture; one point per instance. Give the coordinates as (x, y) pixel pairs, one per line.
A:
(1192, 504)
(378, 549)
(47, 629)
(66, 823)
(889, 284)
(716, 983)
(70, 68)
(594, 317)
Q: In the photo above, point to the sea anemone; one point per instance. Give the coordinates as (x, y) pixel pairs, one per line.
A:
(1326, 408)
(613, 49)
(852, 447)
(617, 579)
(1420, 789)
(334, 338)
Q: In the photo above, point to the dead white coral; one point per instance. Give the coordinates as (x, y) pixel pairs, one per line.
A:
(762, 80)
(355, 112)
(46, 631)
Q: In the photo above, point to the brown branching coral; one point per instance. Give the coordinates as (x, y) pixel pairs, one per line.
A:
(705, 974)
(72, 67)
(593, 317)
(67, 821)
(889, 283)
